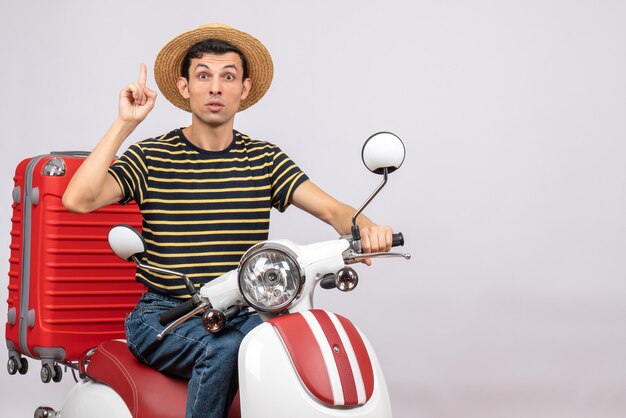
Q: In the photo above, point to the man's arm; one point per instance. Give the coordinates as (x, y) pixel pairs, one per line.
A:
(92, 187)
(320, 204)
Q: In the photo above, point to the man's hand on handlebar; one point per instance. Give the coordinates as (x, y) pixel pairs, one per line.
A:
(375, 238)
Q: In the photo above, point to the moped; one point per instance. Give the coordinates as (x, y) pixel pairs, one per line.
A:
(300, 362)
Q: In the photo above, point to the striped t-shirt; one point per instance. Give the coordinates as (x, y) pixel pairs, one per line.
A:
(202, 210)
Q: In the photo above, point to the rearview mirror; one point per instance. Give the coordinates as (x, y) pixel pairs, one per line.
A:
(383, 150)
(126, 242)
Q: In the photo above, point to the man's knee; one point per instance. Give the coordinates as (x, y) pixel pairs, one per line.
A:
(224, 346)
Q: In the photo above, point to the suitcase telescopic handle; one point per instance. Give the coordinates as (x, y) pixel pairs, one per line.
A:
(75, 154)
(71, 153)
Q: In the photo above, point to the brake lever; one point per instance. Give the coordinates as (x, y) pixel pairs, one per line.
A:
(354, 257)
(203, 305)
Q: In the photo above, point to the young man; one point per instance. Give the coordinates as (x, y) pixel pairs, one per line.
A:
(205, 193)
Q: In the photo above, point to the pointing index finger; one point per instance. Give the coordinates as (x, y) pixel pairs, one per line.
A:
(142, 75)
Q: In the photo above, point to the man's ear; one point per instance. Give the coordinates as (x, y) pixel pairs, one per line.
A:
(247, 85)
(183, 87)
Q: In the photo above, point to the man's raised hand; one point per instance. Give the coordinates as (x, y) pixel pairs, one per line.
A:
(136, 100)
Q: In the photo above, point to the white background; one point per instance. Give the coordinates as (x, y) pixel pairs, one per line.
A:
(512, 198)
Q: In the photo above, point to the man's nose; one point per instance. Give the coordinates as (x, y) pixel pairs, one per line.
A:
(216, 87)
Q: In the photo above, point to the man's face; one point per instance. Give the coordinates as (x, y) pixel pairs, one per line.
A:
(215, 87)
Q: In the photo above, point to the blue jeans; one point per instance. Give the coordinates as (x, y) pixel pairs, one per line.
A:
(209, 361)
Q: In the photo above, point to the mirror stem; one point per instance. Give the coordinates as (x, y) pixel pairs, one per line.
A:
(356, 235)
(188, 284)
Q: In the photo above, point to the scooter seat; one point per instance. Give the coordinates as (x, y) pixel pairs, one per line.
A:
(147, 392)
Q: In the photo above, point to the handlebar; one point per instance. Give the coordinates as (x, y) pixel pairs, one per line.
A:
(328, 282)
(181, 313)
(352, 255)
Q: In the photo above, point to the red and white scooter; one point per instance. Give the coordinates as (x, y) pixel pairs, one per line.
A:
(301, 362)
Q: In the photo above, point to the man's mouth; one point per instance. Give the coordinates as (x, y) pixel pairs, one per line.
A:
(215, 105)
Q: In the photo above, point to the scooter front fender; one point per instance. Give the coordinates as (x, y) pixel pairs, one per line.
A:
(271, 387)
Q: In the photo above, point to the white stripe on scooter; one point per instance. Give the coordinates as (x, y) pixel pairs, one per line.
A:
(327, 354)
(354, 364)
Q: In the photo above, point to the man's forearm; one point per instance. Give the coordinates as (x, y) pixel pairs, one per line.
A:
(341, 219)
(320, 204)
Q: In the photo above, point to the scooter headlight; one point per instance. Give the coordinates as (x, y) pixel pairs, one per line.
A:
(270, 277)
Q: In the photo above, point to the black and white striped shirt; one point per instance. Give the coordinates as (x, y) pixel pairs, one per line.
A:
(202, 210)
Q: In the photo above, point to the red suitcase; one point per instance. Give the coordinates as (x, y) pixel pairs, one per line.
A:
(67, 290)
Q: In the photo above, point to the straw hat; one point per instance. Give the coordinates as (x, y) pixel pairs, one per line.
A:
(168, 63)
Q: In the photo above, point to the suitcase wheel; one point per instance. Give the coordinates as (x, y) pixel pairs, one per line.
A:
(13, 365)
(24, 367)
(17, 364)
(58, 374)
(46, 373)
(53, 373)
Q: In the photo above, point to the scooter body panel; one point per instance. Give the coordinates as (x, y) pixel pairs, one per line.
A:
(95, 400)
(271, 386)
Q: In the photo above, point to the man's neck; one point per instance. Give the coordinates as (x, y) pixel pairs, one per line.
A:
(209, 138)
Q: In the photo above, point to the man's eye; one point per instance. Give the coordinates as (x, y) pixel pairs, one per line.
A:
(202, 75)
(229, 77)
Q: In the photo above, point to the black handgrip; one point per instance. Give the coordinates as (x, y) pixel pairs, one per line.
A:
(232, 312)
(176, 312)
(397, 240)
(328, 282)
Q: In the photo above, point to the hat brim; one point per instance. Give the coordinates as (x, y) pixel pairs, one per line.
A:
(168, 63)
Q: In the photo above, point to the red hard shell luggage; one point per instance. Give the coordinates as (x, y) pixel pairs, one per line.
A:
(67, 290)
